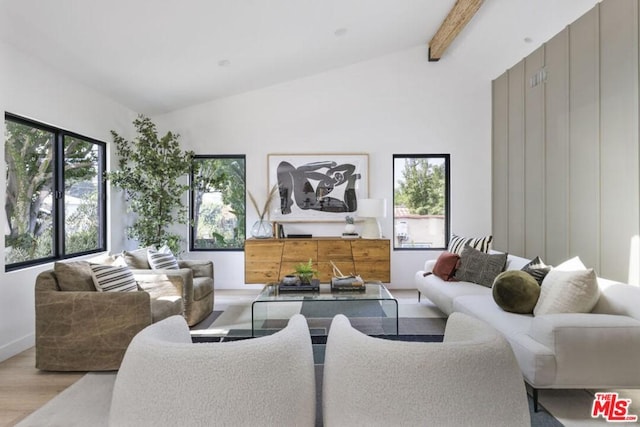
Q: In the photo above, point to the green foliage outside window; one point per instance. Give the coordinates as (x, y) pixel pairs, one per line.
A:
(422, 189)
(32, 200)
(421, 201)
(218, 199)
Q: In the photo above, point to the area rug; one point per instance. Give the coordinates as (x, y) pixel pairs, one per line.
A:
(87, 402)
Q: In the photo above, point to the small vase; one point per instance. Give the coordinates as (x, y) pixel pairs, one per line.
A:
(262, 230)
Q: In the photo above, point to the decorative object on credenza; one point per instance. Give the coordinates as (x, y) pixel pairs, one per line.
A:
(278, 230)
(370, 210)
(317, 187)
(262, 228)
(350, 227)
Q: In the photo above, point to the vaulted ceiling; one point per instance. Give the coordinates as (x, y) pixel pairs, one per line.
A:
(162, 55)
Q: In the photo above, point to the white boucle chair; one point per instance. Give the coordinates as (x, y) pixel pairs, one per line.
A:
(165, 380)
(472, 378)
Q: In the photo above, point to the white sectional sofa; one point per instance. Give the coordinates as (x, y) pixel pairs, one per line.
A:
(600, 349)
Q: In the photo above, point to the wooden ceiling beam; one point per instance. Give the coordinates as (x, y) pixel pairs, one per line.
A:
(458, 17)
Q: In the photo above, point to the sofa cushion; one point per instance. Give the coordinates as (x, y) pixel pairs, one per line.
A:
(516, 291)
(537, 269)
(446, 265)
(137, 259)
(483, 307)
(479, 267)
(165, 299)
(568, 292)
(109, 278)
(74, 276)
(202, 287)
(162, 259)
(457, 243)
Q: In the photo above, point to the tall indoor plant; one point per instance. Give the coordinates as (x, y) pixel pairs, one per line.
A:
(150, 173)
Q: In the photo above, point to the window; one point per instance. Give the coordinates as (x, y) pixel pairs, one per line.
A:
(55, 196)
(218, 203)
(421, 201)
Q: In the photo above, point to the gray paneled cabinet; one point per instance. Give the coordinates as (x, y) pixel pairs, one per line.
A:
(566, 158)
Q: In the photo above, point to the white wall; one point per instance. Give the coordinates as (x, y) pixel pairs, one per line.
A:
(31, 89)
(397, 104)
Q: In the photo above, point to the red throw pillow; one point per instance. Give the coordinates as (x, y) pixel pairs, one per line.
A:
(446, 266)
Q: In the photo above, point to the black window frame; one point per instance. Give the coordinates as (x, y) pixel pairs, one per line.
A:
(192, 237)
(447, 210)
(58, 193)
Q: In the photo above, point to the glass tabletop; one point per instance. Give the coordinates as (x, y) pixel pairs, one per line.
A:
(372, 291)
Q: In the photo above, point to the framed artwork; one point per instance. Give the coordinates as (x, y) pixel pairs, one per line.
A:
(317, 187)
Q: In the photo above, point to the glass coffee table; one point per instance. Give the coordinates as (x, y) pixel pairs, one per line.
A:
(373, 311)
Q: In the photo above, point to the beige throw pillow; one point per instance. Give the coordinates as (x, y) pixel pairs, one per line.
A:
(137, 259)
(568, 292)
(74, 276)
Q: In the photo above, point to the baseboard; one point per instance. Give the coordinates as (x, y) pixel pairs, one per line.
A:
(17, 346)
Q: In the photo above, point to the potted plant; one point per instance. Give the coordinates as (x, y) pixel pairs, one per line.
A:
(150, 173)
(305, 272)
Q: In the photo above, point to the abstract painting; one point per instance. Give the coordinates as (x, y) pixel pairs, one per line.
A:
(317, 187)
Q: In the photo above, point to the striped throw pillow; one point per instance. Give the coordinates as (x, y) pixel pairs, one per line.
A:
(457, 244)
(109, 278)
(162, 259)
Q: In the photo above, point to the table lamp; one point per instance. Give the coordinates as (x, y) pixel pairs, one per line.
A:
(370, 210)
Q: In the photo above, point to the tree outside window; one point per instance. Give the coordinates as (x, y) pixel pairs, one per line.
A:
(54, 198)
(421, 201)
(218, 203)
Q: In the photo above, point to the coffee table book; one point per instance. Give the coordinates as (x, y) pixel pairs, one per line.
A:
(314, 286)
(349, 284)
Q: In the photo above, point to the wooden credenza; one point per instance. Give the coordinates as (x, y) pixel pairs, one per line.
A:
(269, 260)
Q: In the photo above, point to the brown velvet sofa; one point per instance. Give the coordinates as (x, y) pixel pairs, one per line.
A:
(81, 329)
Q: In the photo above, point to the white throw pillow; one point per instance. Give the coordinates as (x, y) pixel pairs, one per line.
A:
(109, 278)
(568, 292)
(572, 264)
(162, 259)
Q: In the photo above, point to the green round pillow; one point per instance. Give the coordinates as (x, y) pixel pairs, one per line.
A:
(516, 291)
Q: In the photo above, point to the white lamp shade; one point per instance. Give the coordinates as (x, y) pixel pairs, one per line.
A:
(370, 210)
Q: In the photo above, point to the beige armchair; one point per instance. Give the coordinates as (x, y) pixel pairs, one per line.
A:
(472, 378)
(167, 380)
(194, 276)
(81, 329)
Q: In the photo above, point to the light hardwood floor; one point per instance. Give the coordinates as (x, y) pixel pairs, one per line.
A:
(23, 388)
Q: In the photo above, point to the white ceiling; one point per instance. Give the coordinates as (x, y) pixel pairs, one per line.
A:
(156, 56)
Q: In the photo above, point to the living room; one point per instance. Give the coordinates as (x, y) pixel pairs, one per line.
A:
(384, 101)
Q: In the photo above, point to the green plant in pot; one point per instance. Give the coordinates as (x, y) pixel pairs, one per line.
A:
(305, 271)
(151, 174)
